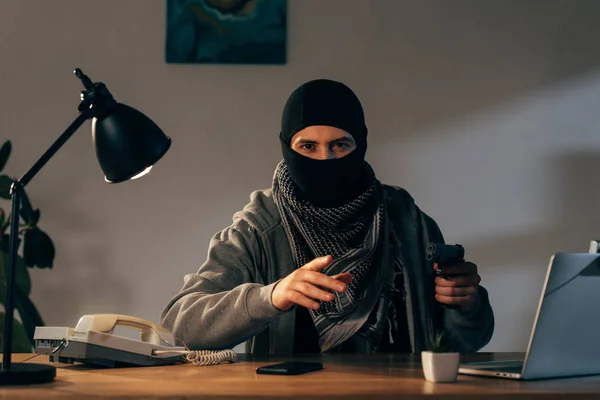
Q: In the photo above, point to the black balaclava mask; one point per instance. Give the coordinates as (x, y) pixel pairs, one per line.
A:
(332, 182)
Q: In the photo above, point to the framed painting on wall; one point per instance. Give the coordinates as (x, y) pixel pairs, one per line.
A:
(226, 31)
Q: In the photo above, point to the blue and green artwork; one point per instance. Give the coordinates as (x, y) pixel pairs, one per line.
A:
(226, 31)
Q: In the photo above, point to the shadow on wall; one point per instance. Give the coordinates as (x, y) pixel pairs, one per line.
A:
(573, 216)
(514, 265)
(451, 59)
(83, 280)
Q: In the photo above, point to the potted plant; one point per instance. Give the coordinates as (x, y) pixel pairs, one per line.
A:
(438, 364)
(35, 250)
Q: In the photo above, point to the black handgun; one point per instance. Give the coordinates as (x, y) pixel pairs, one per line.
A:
(444, 255)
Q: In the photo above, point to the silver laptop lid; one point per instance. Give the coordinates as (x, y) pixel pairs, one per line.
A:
(565, 340)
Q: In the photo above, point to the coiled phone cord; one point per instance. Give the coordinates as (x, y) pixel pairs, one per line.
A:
(210, 357)
(204, 357)
(201, 357)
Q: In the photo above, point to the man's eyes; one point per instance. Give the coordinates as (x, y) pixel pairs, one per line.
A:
(338, 145)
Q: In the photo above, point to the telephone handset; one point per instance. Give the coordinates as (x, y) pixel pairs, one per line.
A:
(149, 332)
(93, 342)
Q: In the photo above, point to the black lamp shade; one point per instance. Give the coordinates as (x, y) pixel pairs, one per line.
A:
(127, 143)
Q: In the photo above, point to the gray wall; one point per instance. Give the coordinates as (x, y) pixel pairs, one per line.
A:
(486, 111)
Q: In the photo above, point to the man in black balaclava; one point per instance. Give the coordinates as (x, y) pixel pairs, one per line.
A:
(329, 258)
(325, 110)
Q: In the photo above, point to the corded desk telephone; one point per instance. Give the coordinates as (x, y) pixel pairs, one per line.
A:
(93, 342)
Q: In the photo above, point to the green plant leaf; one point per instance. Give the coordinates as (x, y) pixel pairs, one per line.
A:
(3, 292)
(22, 280)
(5, 153)
(439, 343)
(5, 184)
(35, 217)
(30, 316)
(5, 243)
(20, 341)
(30, 216)
(38, 249)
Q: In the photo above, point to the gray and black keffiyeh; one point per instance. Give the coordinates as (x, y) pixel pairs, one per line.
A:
(351, 234)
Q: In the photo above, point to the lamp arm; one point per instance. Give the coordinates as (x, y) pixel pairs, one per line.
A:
(18, 195)
(13, 247)
(83, 116)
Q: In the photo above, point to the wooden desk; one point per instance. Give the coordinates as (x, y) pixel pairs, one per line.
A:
(344, 376)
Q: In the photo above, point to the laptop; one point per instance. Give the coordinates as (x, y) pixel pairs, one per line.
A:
(565, 339)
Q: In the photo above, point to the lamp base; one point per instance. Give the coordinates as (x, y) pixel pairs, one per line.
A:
(26, 374)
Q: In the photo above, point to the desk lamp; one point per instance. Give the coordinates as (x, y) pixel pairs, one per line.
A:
(127, 145)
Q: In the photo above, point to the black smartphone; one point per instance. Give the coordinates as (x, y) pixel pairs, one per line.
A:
(290, 368)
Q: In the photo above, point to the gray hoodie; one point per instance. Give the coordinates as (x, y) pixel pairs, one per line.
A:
(228, 301)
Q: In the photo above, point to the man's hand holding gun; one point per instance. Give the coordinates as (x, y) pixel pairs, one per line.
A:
(456, 280)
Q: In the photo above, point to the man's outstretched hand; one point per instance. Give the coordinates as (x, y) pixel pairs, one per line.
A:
(307, 284)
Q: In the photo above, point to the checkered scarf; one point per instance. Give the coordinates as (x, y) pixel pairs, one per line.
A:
(350, 233)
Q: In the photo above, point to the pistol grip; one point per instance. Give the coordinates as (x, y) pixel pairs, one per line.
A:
(439, 270)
